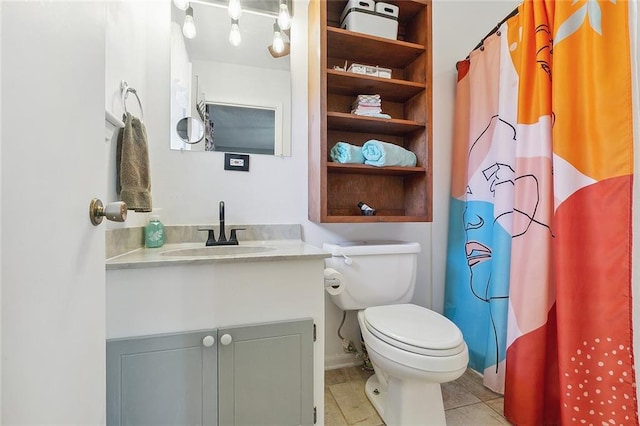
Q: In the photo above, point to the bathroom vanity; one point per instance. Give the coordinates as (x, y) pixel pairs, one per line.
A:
(197, 335)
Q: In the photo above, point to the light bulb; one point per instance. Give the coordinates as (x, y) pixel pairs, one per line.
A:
(181, 4)
(235, 38)
(284, 19)
(235, 9)
(189, 26)
(278, 42)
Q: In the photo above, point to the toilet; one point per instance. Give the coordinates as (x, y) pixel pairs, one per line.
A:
(413, 349)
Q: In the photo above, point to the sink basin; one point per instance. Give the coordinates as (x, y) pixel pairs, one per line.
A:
(217, 251)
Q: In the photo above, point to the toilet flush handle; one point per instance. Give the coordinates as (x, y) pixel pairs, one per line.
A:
(347, 259)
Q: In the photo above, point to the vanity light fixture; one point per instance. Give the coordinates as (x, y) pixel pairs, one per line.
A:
(181, 4)
(281, 10)
(189, 26)
(235, 9)
(235, 38)
(278, 41)
(279, 47)
(284, 18)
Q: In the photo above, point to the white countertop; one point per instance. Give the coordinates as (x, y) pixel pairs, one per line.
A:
(273, 250)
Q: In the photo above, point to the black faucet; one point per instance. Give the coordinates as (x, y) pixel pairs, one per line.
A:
(222, 238)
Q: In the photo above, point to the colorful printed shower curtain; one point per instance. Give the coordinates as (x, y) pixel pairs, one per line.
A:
(539, 255)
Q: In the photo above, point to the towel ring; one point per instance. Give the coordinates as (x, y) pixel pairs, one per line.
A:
(126, 89)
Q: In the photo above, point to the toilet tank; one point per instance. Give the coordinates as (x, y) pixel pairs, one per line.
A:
(375, 272)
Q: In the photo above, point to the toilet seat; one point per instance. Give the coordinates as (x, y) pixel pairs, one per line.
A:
(415, 329)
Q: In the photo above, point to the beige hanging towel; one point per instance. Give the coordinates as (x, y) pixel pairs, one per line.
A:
(132, 165)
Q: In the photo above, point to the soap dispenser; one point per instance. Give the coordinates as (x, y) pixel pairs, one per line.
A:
(154, 232)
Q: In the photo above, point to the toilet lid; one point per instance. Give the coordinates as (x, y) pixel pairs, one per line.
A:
(414, 328)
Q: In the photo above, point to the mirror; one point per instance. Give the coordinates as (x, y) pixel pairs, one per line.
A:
(241, 128)
(210, 77)
(190, 130)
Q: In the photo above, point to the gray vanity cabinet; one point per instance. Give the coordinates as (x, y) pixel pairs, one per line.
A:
(265, 374)
(254, 375)
(163, 380)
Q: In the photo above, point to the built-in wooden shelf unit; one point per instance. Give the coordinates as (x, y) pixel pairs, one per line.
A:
(399, 194)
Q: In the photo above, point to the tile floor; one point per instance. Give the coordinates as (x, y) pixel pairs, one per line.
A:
(466, 401)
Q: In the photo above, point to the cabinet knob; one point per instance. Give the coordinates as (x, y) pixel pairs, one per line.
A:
(208, 341)
(226, 339)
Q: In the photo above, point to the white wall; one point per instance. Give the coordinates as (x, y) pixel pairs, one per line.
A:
(137, 51)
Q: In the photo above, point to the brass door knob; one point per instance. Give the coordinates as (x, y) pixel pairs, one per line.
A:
(116, 211)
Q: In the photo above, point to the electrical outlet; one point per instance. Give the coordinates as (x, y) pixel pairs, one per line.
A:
(238, 162)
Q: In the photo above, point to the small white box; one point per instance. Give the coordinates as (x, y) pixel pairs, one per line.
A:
(387, 9)
(384, 72)
(370, 70)
(358, 16)
(369, 5)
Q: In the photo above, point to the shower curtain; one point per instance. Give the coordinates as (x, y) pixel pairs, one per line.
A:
(539, 252)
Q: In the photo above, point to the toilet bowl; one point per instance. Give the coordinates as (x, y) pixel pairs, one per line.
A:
(413, 350)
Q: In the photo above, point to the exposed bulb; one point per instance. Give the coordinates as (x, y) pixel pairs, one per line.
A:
(235, 38)
(189, 26)
(181, 4)
(235, 9)
(284, 19)
(278, 41)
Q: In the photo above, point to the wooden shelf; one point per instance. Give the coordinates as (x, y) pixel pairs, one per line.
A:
(389, 89)
(399, 194)
(373, 219)
(359, 123)
(372, 50)
(373, 170)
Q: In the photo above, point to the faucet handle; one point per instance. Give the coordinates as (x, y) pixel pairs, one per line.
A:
(211, 239)
(234, 237)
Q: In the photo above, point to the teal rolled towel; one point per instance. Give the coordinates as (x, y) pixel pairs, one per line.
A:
(378, 153)
(343, 152)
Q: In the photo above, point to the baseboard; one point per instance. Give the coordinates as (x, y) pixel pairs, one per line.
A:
(332, 362)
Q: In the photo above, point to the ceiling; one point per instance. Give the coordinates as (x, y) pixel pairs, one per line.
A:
(213, 24)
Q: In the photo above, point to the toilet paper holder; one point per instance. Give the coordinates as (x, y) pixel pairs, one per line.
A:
(333, 281)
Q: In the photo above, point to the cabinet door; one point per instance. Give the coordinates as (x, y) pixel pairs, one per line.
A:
(266, 374)
(162, 380)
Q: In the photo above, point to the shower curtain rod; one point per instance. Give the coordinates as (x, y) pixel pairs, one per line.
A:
(514, 12)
